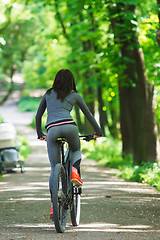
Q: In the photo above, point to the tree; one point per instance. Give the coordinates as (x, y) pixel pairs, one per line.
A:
(100, 43)
(137, 115)
(80, 24)
(17, 37)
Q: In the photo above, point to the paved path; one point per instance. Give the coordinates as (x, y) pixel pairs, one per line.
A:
(112, 208)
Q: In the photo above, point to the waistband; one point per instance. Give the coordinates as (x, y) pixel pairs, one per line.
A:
(59, 123)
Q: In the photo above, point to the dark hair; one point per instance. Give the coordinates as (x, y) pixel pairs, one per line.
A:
(63, 84)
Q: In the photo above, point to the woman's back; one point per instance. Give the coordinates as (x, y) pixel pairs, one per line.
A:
(58, 110)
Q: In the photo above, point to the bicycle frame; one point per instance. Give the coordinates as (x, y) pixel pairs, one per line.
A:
(65, 194)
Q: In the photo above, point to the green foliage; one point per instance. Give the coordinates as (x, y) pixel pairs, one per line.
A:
(106, 151)
(29, 104)
(146, 173)
(25, 149)
(44, 119)
(1, 119)
(16, 37)
(150, 46)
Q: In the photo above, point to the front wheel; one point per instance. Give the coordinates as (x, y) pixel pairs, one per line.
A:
(59, 198)
(76, 205)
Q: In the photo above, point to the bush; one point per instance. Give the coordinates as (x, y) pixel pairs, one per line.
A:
(106, 151)
(148, 173)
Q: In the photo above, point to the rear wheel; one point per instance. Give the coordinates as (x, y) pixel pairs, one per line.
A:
(59, 198)
(76, 205)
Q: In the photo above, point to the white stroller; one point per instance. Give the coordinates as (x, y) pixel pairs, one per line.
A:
(9, 148)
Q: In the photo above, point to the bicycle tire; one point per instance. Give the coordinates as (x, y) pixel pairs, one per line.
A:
(76, 206)
(59, 196)
(22, 166)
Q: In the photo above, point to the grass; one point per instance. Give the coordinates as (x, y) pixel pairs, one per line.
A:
(107, 152)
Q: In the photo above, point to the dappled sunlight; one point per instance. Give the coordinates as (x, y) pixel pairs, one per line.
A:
(21, 188)
(101, 185)
(91, 227)
(37, 169)
(37, 143)
(111, 227)
(90, 169)
(89, 197)
(39, 155)
(31, 199)
(130, 187)
(38, 183)
(28, 225)
(134, 190)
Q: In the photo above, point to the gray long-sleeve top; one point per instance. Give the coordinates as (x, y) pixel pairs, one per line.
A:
(58, 110)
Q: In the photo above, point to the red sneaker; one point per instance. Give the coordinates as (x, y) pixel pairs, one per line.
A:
(75, 178)
(51, 213)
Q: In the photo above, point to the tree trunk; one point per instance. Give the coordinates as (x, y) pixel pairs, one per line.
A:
(125, 123)
(149, 121)
(102, 114)
(10, 90)
(115, 119)
(136, 95)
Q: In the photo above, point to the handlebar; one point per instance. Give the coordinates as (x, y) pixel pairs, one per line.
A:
(89, 137)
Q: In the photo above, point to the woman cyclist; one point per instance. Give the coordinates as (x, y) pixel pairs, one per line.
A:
(59, 101)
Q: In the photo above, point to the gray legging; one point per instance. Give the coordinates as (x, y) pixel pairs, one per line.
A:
(68, 131)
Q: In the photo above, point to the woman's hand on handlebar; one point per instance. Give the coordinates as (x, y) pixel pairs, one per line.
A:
(43, 138)
(95, 136)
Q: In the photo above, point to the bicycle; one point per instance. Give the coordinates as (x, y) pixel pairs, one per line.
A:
(65, 195)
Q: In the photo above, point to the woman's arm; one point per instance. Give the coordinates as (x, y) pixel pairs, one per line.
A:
(88, 115)
(40, 112)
